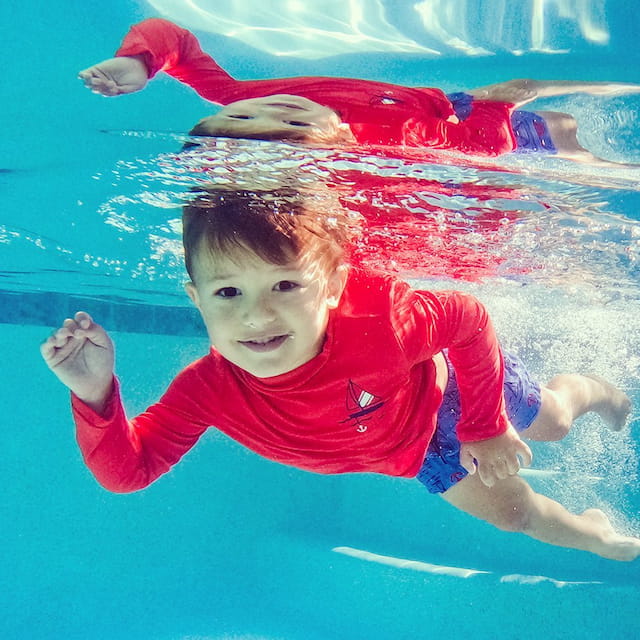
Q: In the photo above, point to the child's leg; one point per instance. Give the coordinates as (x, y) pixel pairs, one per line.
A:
(563, 130)
(568, 396)
(512, 505)
(522, 91)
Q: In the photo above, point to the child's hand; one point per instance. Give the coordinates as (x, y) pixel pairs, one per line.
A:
(81, 354)
(116, 76)
(496, 458)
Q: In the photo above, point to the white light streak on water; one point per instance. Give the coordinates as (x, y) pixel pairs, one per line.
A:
(455, 572)
(429, 27)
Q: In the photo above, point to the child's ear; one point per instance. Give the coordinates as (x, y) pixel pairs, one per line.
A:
(336, 285)
(192, 292)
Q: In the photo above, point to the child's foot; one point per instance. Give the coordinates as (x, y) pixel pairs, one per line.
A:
(615, 406)
(611, 89)
(613, 546)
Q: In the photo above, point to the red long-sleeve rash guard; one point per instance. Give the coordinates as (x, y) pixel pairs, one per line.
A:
(368, 402)
(377, 112)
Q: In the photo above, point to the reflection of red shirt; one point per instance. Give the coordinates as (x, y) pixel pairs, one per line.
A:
(427, 229)
(377, 112)
(367, 403)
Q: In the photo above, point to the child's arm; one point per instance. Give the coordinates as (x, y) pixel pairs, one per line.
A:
(124, 455)
(81, 354)
(459, 323)
(159, 45)
(489, 443)
(164, 46)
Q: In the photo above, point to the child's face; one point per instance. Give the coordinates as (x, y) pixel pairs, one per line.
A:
(267, 319)
(280, 115)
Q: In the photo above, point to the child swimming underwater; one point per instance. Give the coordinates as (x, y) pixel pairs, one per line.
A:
(328, 367)
(343, 110)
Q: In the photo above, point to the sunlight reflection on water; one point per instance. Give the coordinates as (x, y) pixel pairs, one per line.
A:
(432, 28)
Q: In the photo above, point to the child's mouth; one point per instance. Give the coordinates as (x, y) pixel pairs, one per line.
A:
(264, 344)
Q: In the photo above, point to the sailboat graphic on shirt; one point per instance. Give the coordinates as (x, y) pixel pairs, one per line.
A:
(361, 402)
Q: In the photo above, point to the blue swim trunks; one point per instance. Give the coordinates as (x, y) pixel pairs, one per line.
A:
(532, 133)
(441, 468)
(461, 103)
(530, 130)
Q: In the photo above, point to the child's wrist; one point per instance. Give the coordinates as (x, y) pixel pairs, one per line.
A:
(97, 397)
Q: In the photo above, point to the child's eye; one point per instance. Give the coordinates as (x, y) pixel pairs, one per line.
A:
(297, 123)
(227, 292)
(286, 285)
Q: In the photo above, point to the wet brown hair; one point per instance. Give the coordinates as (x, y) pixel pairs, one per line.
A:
(279, 226)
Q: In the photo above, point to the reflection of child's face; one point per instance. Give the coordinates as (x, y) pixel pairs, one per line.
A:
(281, 115)
(266, 318)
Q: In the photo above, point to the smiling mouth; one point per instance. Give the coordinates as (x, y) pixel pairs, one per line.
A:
(261, 345)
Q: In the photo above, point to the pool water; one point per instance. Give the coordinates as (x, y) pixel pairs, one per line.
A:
(228, 545)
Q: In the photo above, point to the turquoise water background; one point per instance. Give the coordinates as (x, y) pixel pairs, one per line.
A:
(228, 545)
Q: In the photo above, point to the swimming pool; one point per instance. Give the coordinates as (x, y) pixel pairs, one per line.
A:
(231, 546)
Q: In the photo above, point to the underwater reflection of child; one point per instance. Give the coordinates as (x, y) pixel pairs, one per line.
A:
(328, 367)
(343, 110)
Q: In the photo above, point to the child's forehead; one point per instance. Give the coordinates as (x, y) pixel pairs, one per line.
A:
(236, 260)
(214, 265)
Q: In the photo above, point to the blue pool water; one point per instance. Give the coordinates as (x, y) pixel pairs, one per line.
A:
(231, 546)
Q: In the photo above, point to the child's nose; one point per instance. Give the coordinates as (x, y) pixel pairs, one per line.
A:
(258, 313)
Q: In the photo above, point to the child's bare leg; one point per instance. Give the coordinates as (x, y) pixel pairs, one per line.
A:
(512, 505)
(568, 396)
(563, 130)
(521, 91)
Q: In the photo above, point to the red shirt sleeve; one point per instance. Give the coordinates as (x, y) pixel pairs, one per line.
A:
(125, 455)
(487, 131)
(167, 47)
(429, 322)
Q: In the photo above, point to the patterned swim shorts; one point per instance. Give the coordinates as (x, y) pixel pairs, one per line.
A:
(441, 468)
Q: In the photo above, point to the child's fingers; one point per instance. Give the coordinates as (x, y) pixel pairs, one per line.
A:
(67, 338)
(525, 453)
(57, 346)
(501, 468)
(75, 327)
(83, 319)
(513, 465)
(47, 349)
(91, 77)
(468, 462)
(70, 324)
(86, 74)
(79, 325)
(61, 338)
(487, 475)
(98, 81)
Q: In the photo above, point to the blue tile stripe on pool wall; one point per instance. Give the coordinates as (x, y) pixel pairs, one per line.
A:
(49, 309)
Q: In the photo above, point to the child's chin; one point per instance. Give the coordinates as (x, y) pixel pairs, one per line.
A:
(269, 372)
